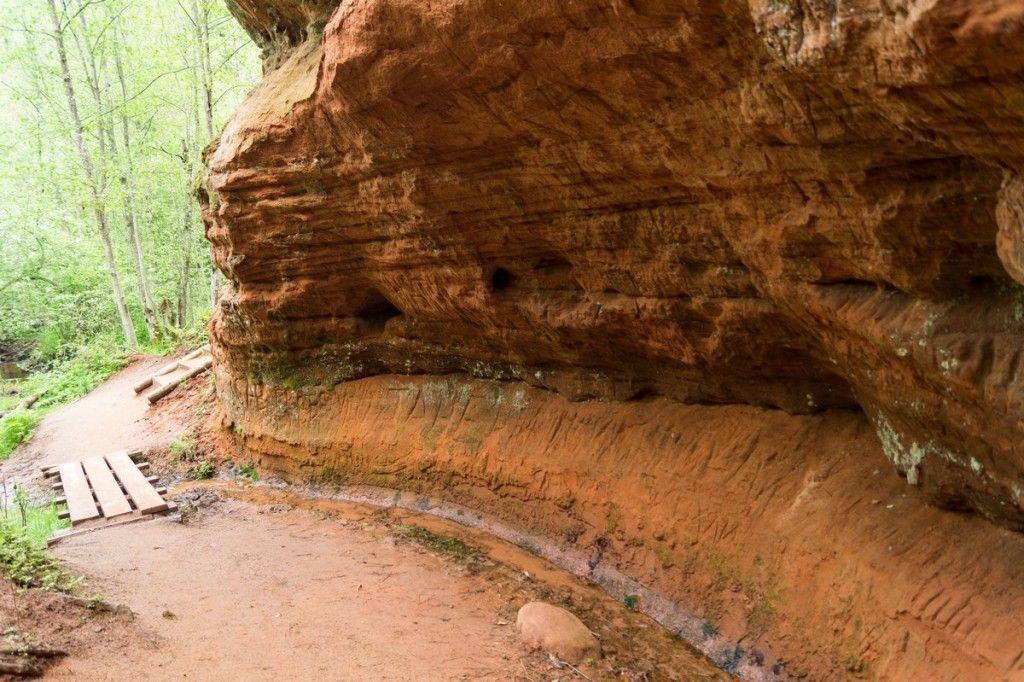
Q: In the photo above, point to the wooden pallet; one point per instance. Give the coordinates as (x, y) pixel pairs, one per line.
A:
(106, 487)
(167, 379)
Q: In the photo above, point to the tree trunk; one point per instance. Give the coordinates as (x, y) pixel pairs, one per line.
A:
(188, 221)
(202, 33)
(99, 211)
(128, 182)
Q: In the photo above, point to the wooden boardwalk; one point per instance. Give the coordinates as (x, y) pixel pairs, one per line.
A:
(167, 379)
(106, 487)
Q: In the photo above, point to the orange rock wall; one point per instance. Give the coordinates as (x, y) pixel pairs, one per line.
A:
(784, 533)
(800, 209)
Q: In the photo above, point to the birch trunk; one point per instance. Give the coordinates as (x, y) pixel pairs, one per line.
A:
(201, 25)
(188, 222)
(128, 183)
(99, 211)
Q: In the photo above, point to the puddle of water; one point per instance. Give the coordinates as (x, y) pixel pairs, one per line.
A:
(11, 370)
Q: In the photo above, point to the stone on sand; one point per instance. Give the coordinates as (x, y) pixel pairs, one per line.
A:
(556, 631)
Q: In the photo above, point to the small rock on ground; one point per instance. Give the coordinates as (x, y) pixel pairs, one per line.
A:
(556, 631)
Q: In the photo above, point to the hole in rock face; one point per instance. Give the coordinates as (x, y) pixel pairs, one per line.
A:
(203, 196)
(555, 272)
(643, 393)
(502, 279)
(376, 310)
(981, 281)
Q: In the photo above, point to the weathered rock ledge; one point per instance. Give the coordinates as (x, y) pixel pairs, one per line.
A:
(794, 208)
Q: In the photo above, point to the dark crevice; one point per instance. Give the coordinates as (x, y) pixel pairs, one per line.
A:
(376, 310)
(555, 272)
(502, 279)
(645, 393)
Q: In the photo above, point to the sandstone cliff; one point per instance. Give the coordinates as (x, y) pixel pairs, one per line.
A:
(617, 241)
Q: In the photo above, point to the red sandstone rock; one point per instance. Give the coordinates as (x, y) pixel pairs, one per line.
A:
(800, 204)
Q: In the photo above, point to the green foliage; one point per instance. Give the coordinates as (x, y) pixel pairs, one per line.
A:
(88, 366)
(632, 602)
(15, 428)
(249, 470)
(24, 530)
(202, 471)
(55, 290)
(184, 447)
(66, 380)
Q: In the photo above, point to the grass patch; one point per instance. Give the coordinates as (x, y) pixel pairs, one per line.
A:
(249, 471)
(445, 545)
(202, 471)
(16, 428)
(184, 447)
(73, 378)
(24, 530)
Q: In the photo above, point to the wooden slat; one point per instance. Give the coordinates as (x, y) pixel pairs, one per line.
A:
(142, 492)
(167, 369)
(81, 506)
(173, 380)
(108, 492)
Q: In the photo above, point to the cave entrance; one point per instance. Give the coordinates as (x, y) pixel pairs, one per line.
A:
(376, 310)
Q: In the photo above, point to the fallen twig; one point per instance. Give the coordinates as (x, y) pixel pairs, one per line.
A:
(20, 669)
(28, 650)
(28, 402)
(99, 605)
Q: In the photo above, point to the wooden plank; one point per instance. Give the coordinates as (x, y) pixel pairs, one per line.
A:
(167, 369)
(160, 392)
(81, 506)
(108, 492)
(142, 492)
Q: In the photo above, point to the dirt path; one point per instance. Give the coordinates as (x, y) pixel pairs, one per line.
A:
(255, 588)
(250, 595)
(111, 417)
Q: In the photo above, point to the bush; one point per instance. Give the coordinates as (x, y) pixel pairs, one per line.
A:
(24, 530)
(88, 368)
(15, 428)
(183, 448)
(202, 471)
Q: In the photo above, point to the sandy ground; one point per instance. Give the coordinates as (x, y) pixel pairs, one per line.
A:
(258, 590)
(250, 595)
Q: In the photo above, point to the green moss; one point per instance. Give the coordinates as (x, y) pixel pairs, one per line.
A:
(446, 545)
(328, 476)
(614, 518)
(249, 470)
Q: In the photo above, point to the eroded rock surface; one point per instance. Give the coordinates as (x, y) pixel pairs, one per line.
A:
(808, 205)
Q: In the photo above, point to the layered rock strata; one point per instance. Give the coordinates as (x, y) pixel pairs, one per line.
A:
(804, 210)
